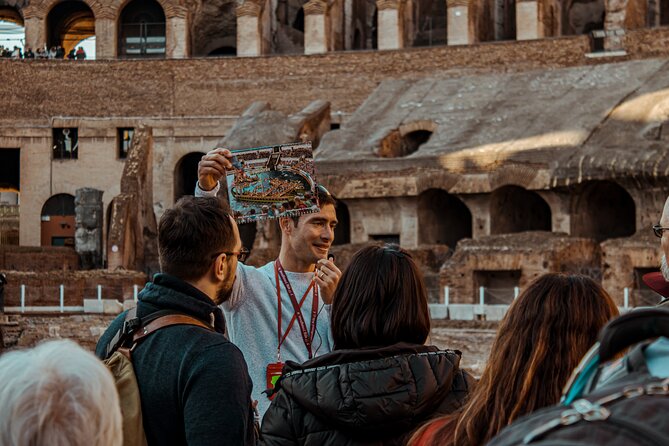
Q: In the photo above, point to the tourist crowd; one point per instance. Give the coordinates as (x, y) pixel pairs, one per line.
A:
(55, 52)
(299, 352)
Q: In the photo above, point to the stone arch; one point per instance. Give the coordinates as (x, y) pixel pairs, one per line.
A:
(442, 218)
(58, 221)
(185, 174)
(214, 27)
(602, 210)
(406, 139)
(582, 16)
(515, 209)
(343, 230)
(429, 18)
(142, 29)
(68, 23)
(11, 14)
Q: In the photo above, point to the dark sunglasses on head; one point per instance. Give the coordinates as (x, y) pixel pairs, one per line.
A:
(241, 255)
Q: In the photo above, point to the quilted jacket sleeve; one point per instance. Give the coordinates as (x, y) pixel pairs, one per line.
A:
(277, 424)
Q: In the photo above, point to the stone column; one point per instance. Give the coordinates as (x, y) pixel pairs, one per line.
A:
(105, 35)
(459, 32)
(479, 206)
(409, 219)
(35, 28)
(528, 26)
(250, 41)
(176, 33)
(316, 27)
(390, 24)
(560, 204)
(88, 235)
(614, 24)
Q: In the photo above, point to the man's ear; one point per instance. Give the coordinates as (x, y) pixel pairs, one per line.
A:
(286, 225)
(220, 267)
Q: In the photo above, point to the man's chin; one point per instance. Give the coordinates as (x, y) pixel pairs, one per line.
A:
(223, 296)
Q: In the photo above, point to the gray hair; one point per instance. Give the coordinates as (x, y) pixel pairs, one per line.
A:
(57, 394)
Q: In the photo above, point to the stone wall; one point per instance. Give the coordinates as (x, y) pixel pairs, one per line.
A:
(47, 258)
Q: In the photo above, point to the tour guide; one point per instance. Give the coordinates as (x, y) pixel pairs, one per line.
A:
(280, 311)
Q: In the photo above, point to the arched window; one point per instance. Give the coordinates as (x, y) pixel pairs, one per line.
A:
(602, 210)
(68, 24)
(141, 30)
(442, 219)
(583, 16)
(12, 32)
(185, 175)
(514, 209)
(58, 222)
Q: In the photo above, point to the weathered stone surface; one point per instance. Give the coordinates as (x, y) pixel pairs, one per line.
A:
(89, 224)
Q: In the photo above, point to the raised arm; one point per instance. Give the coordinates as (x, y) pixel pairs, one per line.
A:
(211, 169)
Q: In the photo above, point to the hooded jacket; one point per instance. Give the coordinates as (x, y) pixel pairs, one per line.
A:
(376, 396)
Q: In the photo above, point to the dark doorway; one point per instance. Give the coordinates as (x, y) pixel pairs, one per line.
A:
(442, 219)
(342, 233)
(430, 19)
(515, 209)
(185, 175)
(10, 169)
(224, 51)
(58, 223)
(499, 287)
(602, 210)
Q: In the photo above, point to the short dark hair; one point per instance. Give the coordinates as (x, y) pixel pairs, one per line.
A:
(380, 300)
(324, 198)
(190, 233)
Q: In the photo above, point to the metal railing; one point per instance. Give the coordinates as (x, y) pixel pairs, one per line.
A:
(60, 291)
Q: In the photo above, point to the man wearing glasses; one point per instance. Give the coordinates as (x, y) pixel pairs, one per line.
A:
(193, 382)
(659, 282)
(280, 311)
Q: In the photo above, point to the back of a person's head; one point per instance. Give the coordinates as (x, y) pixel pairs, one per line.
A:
(57, 394)
(191, 233)
(541, 339)
(380, 300)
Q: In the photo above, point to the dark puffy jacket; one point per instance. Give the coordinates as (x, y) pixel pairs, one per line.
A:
(364, 397)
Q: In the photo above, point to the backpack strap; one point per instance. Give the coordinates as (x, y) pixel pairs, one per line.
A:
(166, 321)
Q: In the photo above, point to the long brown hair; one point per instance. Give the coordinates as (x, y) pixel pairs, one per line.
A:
(541, 339)
(380, 300)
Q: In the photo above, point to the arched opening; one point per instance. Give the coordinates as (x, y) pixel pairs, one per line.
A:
(399, 144)
(602, 210)
(430, 20)
(289, 33)
(442, 219)
(141, 30)
(68, 24)
(185, 175)
(664, 12)
(583, 16)
(58, 223)
(224, 51)
(9, 196)
(12, 33)
(375, 29)
(515, 209)
(495, 20)
(342, 234)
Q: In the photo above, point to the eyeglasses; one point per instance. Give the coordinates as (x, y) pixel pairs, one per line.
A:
(241, 255)
(658, 230)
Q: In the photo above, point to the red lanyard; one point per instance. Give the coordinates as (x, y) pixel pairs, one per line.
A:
(279, 272)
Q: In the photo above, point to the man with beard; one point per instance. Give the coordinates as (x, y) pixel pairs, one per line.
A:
(280, 311)
(659, 281)
(193, 382)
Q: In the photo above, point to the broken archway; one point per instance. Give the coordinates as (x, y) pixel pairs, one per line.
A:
(442, 219)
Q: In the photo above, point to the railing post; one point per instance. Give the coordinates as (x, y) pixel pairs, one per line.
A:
(23, 298)
(626, 300)
(516, 292)
(62, 298)
(481, 295)
(446, 295)
(134, 292)
(99, 292)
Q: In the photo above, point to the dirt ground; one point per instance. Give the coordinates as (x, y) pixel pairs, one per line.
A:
(473, 338)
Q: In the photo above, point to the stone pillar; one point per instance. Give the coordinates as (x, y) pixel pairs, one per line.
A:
(35, 28)
(390, 24)
(88, 235)
(528, 26)
(614, 25)
(177, 38)
(459, 32)
(560, 204)
(316, 27)
(250, 29)
(105, 35)
(479, 206)
(409, 222)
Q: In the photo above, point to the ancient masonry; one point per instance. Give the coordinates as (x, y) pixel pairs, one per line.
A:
(496, 139)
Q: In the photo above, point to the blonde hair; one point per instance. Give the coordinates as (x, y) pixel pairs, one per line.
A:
(57, 394)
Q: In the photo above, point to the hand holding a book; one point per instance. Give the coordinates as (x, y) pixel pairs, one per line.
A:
(212, 166)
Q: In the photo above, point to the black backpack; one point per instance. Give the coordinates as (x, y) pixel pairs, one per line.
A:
(607, 401)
